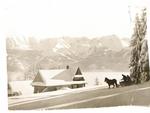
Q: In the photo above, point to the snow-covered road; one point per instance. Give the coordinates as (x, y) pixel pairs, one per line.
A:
(87, 97)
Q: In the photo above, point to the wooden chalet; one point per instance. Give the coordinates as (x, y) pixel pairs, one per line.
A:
(52, 80)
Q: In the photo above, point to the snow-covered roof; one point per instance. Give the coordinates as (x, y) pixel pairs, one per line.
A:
(48, 77)
(49, 74)
(78, 76)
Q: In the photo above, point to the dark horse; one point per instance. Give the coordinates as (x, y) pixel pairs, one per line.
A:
(111, 82)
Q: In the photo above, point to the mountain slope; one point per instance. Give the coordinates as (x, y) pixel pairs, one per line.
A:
(105, 53)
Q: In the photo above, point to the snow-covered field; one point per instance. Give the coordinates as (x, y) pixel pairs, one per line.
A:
(90, 77)
(22, 86)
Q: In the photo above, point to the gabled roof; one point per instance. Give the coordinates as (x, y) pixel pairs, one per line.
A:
(45, 77)
(78, 72)
(49, 74)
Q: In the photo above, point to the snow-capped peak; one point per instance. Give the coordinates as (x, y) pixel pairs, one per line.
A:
(62, 44)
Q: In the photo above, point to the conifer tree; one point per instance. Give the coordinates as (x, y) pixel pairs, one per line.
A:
(139, 66)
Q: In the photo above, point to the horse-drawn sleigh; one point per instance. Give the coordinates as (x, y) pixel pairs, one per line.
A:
(125, 81)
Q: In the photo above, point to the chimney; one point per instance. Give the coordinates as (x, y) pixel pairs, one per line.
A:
(67, 67)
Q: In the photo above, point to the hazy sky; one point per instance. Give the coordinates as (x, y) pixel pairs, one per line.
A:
(57, 18)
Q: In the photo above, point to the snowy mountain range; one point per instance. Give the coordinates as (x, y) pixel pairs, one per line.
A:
(113, 42)
(100, 53)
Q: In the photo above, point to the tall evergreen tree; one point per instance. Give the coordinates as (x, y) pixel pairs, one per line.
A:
(139, 70)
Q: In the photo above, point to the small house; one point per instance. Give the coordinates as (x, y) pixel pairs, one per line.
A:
(50, 80)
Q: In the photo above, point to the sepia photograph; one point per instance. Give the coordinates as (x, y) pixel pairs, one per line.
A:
(77, 54)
